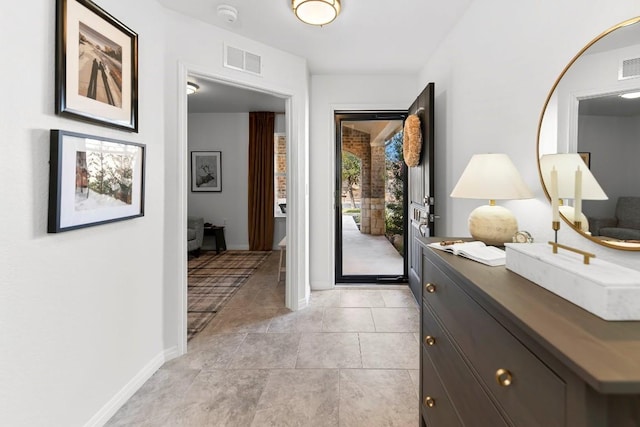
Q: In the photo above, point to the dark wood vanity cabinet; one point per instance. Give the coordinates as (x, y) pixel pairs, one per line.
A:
(498, 350)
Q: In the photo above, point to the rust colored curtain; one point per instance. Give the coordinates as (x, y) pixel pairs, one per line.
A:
(261, 152)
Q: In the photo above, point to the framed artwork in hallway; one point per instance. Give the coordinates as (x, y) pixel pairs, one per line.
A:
(206, 171)
(96, 66)
(93, 180)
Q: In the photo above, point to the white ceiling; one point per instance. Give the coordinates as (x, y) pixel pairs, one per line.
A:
(214, 97)
(613, 105)
(610, 105)
(368, 37)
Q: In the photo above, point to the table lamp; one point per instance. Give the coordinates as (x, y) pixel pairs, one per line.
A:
(567, 165)
(492, 177)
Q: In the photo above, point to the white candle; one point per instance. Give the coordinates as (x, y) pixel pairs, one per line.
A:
(554, 195)
(577, 197)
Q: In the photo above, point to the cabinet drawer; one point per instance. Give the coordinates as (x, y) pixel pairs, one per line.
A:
(441, 414)
(470, 400)
(535, 395)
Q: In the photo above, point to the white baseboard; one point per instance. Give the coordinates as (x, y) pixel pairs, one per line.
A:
(121, 397)
(321, 285)
(238, 247)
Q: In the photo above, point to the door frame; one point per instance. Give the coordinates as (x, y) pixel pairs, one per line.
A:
(296, 288)
(339, 115)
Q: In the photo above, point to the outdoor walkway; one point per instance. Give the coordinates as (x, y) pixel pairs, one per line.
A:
(364, 254)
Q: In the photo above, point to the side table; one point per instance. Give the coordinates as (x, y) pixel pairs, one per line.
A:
(218, 233)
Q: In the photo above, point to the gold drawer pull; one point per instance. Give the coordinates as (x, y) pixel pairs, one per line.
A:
(430, 287)
(429, 340)
(429, 402)
(504, 377)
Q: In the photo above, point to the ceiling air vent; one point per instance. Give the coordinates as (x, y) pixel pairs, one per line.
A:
(239, 59)
(629, 68)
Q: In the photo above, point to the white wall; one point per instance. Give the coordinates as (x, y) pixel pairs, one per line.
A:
(491, 84)
(329, 93)
(196, 48)
(590, 75)
(80, 311)
(87, 315)
(228, 133)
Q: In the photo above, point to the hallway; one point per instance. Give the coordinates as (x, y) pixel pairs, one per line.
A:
(350, 359)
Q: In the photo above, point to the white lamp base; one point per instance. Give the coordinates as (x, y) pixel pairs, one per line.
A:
(493, 225)
(569, 213)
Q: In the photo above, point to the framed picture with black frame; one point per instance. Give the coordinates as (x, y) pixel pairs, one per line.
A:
(96, 66)
(93, 180)
(206, 172)
(586, 157)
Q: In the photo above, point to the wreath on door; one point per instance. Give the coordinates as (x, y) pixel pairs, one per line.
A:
(412, 141)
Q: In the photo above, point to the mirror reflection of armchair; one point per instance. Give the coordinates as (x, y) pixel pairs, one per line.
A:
(195, 234)
(626, 223)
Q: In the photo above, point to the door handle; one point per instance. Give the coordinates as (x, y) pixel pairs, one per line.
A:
(422, 228)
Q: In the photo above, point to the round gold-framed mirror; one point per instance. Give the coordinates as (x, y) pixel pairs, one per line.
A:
(591, 122)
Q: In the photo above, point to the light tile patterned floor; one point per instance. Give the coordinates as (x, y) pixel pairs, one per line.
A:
(349, 359)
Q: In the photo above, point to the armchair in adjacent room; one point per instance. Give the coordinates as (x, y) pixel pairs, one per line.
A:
(626, 223)
(195, 234)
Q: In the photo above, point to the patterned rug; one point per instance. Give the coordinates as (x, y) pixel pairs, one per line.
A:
(213, 279)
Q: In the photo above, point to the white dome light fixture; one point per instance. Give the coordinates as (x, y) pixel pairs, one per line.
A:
(316, 12)
(192, 88)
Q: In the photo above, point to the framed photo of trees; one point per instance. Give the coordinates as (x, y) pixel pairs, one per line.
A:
(96, 66)
(93, 180)
(206, 174)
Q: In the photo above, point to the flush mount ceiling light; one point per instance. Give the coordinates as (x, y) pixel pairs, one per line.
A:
(630, 95)
(192, 88)
(316, 12)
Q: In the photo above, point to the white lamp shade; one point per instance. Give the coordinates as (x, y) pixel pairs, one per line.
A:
(316, 12)
(566, 164)
(491, 177)
(570, 214)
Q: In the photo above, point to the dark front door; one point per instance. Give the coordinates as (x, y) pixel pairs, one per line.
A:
(370, 197)
(421, 189)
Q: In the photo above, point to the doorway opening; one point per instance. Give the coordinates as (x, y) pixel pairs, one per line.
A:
(371, 188)
(293, 258)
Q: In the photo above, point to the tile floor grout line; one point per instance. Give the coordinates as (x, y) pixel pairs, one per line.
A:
(339, 393)
(360, 351)
(295, 365)
(233, 355)
(373, 320)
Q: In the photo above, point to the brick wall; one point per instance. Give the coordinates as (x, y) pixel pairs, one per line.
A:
(372, 180)
(281, 167)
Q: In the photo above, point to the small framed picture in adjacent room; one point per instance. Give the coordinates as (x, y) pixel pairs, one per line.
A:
(93, 180)
(206, 172)
(96, 66)
(586, 157)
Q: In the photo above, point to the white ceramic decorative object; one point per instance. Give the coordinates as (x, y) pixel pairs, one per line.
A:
(493, 225)
(607, 290)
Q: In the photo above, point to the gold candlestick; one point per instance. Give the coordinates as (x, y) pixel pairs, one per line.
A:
(555, 225)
